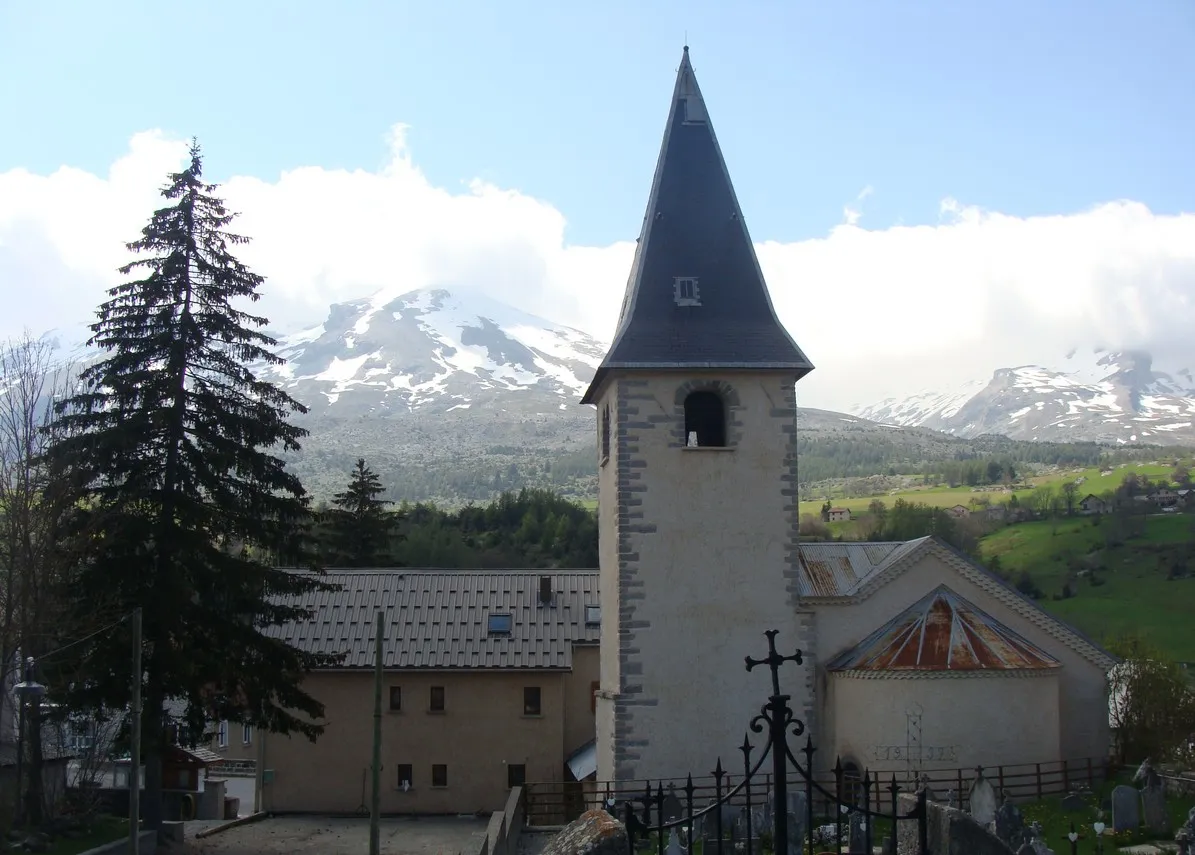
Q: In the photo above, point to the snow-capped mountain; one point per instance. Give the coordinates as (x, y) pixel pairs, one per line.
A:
(1106, 397)
(434, 351)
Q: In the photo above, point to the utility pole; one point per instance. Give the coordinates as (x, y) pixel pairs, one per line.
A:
(135, 753)
(375, 802)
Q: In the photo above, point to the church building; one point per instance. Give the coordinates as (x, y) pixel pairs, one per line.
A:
(913, 655)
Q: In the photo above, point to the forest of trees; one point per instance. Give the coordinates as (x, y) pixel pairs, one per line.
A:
(533, 528)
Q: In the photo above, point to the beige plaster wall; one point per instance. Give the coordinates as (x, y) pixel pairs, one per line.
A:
(965, 721)
(697, 549)
(481, 730)
(576, 689)
(1082, 704)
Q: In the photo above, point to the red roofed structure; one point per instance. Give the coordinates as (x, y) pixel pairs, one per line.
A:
(943, 632)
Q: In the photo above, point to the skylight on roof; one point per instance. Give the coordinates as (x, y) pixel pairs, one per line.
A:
(500, 624)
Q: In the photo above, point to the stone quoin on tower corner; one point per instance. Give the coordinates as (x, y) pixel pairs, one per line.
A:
(698, 484)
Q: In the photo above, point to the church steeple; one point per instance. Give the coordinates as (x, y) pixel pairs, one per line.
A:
(696, 297)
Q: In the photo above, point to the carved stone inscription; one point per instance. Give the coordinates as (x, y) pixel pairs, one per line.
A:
(903, 753)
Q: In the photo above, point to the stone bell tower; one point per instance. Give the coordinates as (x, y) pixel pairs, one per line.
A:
(696, 416)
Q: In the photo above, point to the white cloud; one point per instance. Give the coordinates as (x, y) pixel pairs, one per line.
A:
(881, 312)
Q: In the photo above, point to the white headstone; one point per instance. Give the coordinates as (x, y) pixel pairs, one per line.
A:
(1126, 808)
(981, 800)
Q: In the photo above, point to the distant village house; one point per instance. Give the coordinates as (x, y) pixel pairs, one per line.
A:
(839, 515)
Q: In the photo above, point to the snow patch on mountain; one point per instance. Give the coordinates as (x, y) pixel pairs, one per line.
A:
(1096, 395)
(434, 349)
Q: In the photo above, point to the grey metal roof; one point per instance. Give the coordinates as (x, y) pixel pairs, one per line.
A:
(840, 569)
(694, 228)
(439, 618)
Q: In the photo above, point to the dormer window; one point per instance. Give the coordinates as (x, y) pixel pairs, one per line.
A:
(500, 624)
(705, 420)
(593, 615)
(684, 291)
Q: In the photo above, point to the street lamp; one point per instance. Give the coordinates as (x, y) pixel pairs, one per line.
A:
(27, 688)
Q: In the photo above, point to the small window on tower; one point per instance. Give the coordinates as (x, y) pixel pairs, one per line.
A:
(684, 291)
(605, 434)
(705, 420)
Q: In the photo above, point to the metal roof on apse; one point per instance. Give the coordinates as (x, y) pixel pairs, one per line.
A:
(439, 618)
(840, 569)
(943, 632)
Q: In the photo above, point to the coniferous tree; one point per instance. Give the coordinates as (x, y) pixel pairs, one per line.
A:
(360, 529)
(170, 451)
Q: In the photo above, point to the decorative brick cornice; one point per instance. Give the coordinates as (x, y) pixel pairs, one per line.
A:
(973, 674)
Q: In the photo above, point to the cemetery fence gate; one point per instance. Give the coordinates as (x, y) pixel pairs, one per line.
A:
(648, 815)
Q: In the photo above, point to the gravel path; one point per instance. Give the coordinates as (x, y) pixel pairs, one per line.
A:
(340, 836)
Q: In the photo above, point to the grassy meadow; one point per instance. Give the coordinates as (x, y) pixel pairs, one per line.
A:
(1134, 596)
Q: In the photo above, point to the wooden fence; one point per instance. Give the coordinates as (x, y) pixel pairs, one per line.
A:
(557, 803)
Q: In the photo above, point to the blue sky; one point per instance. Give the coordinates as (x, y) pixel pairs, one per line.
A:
(1022, 107)
(1008, 179)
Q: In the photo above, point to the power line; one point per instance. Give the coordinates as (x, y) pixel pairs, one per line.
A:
(78, 641)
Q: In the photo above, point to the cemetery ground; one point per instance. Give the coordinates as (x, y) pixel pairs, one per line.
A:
(1056, 821)
(1130, 587)
(309, 835)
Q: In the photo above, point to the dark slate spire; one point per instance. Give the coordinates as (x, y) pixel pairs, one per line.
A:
(696, 298)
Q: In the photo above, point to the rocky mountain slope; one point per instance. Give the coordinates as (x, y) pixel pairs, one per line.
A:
(1102, 397)
(453, 397)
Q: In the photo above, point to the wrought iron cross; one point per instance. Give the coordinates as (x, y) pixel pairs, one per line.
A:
(774, 660)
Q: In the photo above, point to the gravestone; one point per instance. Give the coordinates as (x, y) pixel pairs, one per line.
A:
(982, 799)
(857, 844)
(1147, 775)
(1153, 806)
(674, 847)
(1010, 824)
(1073, 803)
(672, 809)
(924, 784)
(708, 823)
(1126, 808)
(1035, 841)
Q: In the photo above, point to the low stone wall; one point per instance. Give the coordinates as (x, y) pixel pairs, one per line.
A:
(951, 832)
(505, 826)
(1179, 785)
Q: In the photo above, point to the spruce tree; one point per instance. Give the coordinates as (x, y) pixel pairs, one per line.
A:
(360, 529)
(171, 449)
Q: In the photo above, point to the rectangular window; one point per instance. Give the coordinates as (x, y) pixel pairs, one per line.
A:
(405, 778)
(499, 624)
(439, 775)
(516, 774)
(593, 615)
(437, 699)
(222, 735)
(395, 698)
(247, 734)
(531, 700)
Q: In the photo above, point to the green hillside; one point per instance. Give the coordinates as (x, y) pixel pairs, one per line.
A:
(1108, 577)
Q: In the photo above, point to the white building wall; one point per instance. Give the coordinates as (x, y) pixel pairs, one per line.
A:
(697, 560)
(966, 721)
(1082, 682)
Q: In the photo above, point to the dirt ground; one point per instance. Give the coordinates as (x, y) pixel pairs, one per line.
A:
(340, 836)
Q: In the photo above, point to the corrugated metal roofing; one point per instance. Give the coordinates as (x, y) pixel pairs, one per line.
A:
(839, 569)
(438, 618)
(943, 632)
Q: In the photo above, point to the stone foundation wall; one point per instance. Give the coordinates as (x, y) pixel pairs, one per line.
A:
(951, 832)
